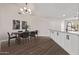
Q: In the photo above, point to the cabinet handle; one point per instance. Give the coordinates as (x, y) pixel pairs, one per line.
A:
(57, 34)
(67, 37)
(52, 32)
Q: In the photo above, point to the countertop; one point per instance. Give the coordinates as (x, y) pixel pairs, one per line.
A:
(69, 32)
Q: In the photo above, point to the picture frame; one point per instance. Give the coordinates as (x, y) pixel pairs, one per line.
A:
(24, 25)
(16, 24)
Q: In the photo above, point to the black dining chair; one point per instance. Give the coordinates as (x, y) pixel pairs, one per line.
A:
(10, 37)
(32, 34)
(24, 35)
(36, 33)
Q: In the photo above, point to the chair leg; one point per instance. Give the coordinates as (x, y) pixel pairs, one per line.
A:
(9, 42)
(28, 45)
(18, 40)
(37, 36)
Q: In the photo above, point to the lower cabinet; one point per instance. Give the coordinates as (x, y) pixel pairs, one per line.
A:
(68, 41)
(74, 44)
(52, 35)
(60, 38)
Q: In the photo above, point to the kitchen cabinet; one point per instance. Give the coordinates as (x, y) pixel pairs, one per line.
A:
(68, 41)
(74, 44)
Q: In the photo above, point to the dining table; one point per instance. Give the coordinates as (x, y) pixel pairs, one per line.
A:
(19, 33)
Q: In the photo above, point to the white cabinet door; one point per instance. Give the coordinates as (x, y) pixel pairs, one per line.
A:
(74, 44)
(60, 38)
(67, 43)
(71, 44)
(52, 35)
(63, 39)
(55, 37)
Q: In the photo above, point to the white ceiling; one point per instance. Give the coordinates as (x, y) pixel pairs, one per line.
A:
(56, 10)
(50, 10)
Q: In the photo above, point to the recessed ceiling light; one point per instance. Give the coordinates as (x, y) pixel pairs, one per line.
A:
(64, 15)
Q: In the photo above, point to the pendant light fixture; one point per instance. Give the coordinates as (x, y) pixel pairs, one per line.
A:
(25, 10)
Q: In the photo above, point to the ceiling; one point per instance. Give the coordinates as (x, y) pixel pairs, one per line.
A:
(56, 10)
(50, 10)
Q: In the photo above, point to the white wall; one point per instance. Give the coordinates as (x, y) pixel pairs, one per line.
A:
(43, 24)
(9, 12)
(50, 15)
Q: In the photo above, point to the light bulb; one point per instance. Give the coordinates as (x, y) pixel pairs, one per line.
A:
(21, 9)
(29, 10)
(25, 8)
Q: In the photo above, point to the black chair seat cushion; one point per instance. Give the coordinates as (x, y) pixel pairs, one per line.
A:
(13, 37)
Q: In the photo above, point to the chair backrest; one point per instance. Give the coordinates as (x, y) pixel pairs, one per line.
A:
(32, 33)
(25, 34)
(36, 32)
(8, 34)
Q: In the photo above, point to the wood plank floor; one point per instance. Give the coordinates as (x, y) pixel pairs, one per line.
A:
(39, 46)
